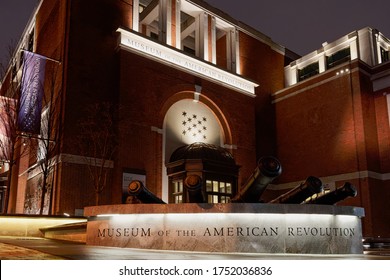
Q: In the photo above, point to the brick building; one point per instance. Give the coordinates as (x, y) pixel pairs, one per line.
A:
(179, 72)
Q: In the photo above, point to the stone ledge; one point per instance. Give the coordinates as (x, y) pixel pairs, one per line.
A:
(29, 226)
(75, 232)
(222, 208)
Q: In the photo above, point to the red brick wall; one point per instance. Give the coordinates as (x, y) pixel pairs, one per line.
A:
(316, 130)
(265, 66)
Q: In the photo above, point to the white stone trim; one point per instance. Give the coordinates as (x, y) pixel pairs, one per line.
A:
(156, 129)
(171, 57)
(77, 159)
(136, 15)
(313, 85)
(230, 147)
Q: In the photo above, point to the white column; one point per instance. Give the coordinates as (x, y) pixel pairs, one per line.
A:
(322, 63)
(178, 24)
(163, 21)
(136, 15)
(201, 40)
(213, 41)
(354, 49)
(231, 50)
(236, 53)
(290, 75)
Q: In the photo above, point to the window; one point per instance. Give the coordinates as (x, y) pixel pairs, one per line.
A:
(308, 71)
(14, 71)
(177, 193)
(188, 33)
(214, 165)
(218, 191)
(43, 140)
(338, 58)
(384, 55)
(149, 18)
(189, 50)
(30, 42)
(223, 48)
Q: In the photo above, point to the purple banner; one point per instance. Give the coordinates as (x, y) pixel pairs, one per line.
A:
(29, 117)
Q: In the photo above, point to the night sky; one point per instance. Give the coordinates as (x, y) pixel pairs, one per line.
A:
(300, 25)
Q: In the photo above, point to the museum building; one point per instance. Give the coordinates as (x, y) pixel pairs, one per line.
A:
(193, 91)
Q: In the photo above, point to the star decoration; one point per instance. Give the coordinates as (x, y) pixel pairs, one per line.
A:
(193, 125)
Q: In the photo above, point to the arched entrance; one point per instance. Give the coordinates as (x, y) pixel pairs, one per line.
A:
(189, 121)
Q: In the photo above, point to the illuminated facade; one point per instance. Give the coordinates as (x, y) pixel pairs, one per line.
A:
(333, 121)
(181, 72)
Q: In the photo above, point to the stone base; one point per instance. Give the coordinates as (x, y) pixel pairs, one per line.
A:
(230, 228)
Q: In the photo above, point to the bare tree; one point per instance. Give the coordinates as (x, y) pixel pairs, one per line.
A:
(97, 143)
(12, 145)
(48, 141)
(41, 144)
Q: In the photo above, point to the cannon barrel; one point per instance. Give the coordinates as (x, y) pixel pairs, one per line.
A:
(339, 194)
(193, 185)
(136, 188)
(267, 169)
(299, 194)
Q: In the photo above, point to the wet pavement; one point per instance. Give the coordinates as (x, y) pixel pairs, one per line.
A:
(22, 248)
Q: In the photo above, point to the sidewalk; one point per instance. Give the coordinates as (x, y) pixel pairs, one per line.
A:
(12, 252)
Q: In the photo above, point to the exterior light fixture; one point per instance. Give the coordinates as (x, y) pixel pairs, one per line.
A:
(346, 70)
(198, 90)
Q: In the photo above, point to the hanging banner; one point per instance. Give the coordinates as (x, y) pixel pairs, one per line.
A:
(29, 117)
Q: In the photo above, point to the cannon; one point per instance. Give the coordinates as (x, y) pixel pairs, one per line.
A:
(193, 185)
(137, 189)
(267, 169)
(312, 185)
(339, 194)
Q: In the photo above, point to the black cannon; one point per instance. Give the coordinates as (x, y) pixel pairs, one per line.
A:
(339, 194)
(268, 168)
(137, 189)
(303, 191)
(193, 185)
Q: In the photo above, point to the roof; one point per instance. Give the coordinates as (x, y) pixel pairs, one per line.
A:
(202, 151)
